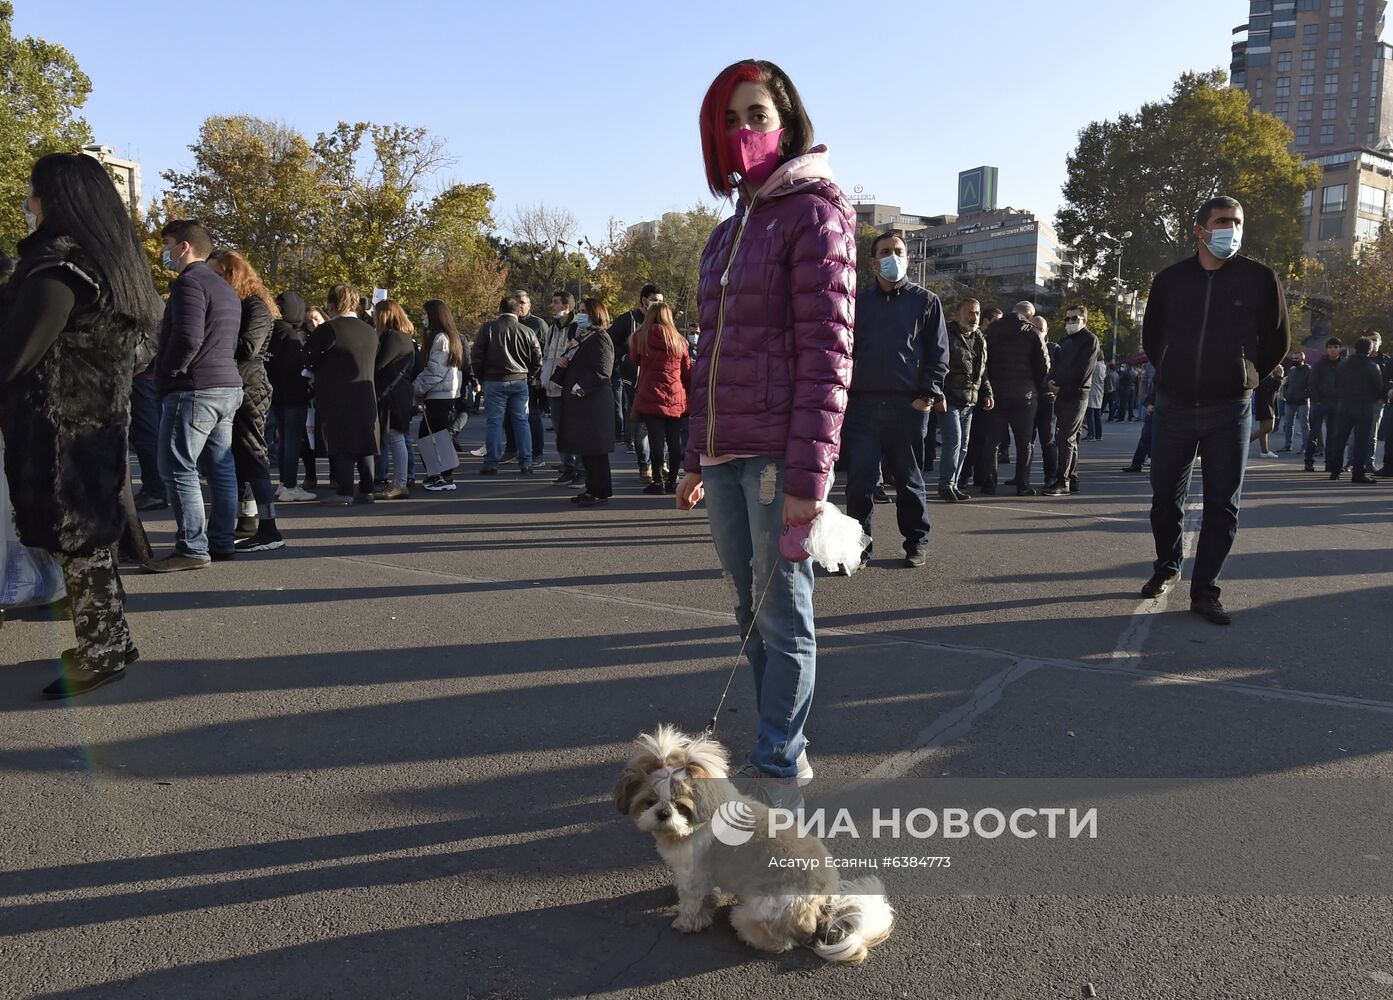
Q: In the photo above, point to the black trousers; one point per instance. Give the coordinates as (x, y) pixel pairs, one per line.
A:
(1017, 417)
(1068, 420)
(598, 482)
(665, 433)
(976, 444)
(343, 466)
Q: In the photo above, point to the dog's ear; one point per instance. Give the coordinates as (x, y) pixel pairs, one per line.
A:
(629, 782)
(705, 758)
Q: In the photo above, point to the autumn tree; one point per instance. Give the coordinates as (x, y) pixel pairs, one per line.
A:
(1148, 172)
(459, 264)
(667, 254)
(1360, 288)
(257, 185)
(543, 251)
(41, 90)
(375, 228)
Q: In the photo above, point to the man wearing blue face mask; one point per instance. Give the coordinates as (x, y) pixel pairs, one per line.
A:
(900, 358)
(1215, 326)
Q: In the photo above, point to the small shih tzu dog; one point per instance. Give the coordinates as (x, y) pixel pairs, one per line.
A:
(676, 789)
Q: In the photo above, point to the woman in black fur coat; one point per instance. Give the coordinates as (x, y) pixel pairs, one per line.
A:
(70, 321)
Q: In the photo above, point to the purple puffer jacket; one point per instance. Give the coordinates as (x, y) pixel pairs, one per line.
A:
(774, 360)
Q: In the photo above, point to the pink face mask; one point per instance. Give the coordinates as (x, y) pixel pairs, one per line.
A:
(755, 154)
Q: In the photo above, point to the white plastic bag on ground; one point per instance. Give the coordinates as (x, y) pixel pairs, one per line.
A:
(836, 540)
(27, 576)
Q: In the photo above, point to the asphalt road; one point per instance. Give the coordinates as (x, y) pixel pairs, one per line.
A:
(378, 762)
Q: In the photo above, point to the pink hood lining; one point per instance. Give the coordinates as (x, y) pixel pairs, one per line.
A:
(797, 173)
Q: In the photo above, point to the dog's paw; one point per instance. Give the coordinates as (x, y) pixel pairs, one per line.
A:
(692, 924)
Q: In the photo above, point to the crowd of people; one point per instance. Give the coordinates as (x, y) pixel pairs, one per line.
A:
(751, 409)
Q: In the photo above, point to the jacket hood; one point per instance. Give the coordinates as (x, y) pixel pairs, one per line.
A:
(798, 173)
(292, 308)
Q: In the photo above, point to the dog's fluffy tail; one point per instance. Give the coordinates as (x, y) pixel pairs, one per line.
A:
(857, 919)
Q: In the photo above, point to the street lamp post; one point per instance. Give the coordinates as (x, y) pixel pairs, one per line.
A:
(1117, 291)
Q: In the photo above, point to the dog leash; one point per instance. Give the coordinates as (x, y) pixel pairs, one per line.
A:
(711, 726)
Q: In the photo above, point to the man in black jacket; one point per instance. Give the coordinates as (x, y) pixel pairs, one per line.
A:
(1017, 365)
(1321, 386)
(1071, 378)
(1296, 394)
(507, 357)
(1359, 391)
(1216, 323)
(200, 391)
(899, 359)
(625, 381)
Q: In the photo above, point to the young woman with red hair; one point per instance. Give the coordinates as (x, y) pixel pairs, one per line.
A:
(776, 300)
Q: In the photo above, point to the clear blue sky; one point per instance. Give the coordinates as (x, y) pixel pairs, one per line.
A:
(593, 106)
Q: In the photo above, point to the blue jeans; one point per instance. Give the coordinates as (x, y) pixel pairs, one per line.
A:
(506, 400)
(745, 501)
(1296, 417)
(889, 427)
(1218, 433)
(397, 450)
(956, 427)
(197, 423)
(145, 435)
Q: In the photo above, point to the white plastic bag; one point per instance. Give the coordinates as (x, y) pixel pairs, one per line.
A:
(27, 576)
(836, 540)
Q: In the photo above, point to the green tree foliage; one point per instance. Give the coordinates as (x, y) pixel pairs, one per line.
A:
(458, 263)
(352, 206)
(375, 228)
(1150, 171)
(41, 90)
(257, 186)
(865, 270)
(668, 255)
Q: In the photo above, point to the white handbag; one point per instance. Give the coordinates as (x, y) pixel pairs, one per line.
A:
(437, 449)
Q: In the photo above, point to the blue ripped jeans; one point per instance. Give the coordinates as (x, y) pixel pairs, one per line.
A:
(745, 502)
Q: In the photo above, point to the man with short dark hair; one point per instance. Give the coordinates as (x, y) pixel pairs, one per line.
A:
(1321, 386)
(1017, 364)
(507, 358)
(1071, 378)
(1216, 323)
(200, 391)
(1359, 390)
(900, 358)
(560, 335)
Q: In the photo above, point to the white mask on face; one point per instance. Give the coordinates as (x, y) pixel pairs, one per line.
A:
(1073, 326)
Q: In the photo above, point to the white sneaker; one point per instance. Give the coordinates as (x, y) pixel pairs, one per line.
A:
(480, 451)
(1269, 454)
(295, 494)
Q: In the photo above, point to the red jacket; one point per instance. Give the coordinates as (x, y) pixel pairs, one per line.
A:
(662, 377)
(777, 299)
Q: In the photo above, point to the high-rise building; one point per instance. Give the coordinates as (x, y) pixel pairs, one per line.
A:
(1320, 66)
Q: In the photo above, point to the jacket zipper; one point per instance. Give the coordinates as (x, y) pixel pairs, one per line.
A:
(1204, 327)
(720, 329)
